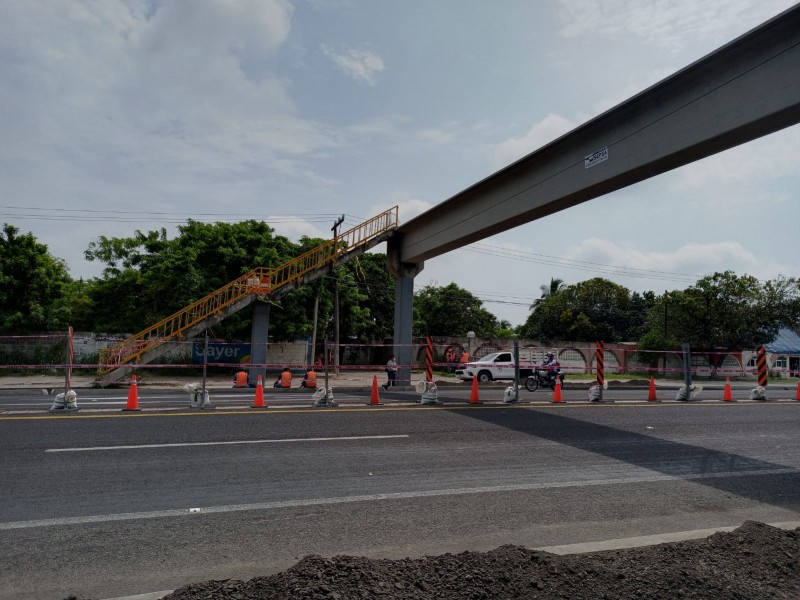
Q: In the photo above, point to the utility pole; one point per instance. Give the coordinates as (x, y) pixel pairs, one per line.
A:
(335, 230)
(664, 358)
(314, 332)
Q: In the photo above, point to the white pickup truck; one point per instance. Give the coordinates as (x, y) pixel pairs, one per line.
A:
(499, 365)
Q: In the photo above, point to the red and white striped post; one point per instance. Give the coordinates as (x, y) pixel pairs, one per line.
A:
(429, 358)
(600, 360)
(761, 366)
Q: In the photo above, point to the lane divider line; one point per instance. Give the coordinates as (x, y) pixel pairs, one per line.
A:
(228, 443)
(650, 540)
(209, 510)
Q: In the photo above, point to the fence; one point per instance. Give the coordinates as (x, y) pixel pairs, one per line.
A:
(61, 354)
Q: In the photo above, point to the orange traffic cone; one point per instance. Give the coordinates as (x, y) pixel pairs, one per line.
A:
(797, 394)
(258, 402)
(133, 396)
(557, 392)
(374, 399)
(474, 398)
(651, 396)
(727, 395)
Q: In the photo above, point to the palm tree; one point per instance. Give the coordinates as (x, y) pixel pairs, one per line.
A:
(556, 285)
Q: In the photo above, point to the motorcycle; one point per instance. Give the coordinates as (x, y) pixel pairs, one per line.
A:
(539, 379)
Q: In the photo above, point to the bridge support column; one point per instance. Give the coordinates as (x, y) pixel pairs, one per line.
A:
(404, 320)
(259, 335)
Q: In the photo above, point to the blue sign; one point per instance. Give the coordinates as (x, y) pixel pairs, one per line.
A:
(219, 352)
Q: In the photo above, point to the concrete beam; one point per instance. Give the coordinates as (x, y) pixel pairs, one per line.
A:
(744, 90)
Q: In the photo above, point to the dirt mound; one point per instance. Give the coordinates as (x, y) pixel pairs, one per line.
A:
(754, 561)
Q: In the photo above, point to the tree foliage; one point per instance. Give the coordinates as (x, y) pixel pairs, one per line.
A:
(596, 309)
(451, 311)
(33, 285)
(556, 285)
(149, 276)
(724, 311)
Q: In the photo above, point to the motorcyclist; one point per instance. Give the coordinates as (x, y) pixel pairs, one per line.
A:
(551, 364)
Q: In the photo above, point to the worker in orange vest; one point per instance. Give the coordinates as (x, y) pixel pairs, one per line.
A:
(310, 379)
(450, 359)
(284, 380)
(240, 379)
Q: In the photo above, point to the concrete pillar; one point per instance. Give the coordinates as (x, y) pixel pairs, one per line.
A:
(259, 334)
(403, 307)
(403, 322)
(404, 319)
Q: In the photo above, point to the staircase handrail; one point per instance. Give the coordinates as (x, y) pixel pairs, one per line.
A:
(261, 280)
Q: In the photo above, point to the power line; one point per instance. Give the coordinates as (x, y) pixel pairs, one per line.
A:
(88, 215)
(163, 218)
(149, 212)
(579, 265)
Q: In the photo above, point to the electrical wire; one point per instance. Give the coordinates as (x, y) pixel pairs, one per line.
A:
(144, 216)
(579, 265)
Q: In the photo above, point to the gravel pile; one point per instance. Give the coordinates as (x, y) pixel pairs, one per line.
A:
(754, 561)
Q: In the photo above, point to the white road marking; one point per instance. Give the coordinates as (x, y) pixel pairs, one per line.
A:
(182, 512)
(229, 443)
(649, 540)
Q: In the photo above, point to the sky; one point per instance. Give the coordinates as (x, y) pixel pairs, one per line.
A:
(120, 115)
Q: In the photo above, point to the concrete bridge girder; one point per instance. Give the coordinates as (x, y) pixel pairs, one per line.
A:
(738, 93)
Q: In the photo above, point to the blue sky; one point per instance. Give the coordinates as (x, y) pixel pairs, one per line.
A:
(123, 115)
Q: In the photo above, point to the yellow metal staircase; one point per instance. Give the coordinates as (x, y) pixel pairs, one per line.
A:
(263, 282)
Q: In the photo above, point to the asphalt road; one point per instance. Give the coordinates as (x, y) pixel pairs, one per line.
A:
(103, 504)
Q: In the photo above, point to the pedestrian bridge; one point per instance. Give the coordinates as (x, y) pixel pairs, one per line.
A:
(263, 283)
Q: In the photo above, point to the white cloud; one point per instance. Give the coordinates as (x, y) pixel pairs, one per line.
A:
(439, 135)
(738, 178)
(212, 27)
(688, 262)
(294, 229)
(361, 65)
(105, 92)
(670, 24)
(546, 130)
(408, 208)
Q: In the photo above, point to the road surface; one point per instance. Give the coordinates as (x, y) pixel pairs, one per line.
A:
(105, 503)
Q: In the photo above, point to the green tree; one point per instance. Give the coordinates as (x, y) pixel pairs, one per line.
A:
(640, 307)
(451, 311)
(556, 285)
(376, 288)
(505, 330)
(148, 276)
(596, 309)
(33, 284)
(725, 311)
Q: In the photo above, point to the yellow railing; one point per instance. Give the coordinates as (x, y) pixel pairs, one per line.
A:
(261, 280)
